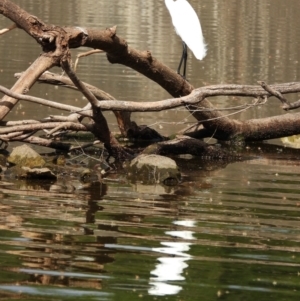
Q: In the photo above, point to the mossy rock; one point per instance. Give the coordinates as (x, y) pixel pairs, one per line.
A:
(25, 156)
(154, 169)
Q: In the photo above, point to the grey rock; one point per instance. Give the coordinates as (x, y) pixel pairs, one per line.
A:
(154, 169)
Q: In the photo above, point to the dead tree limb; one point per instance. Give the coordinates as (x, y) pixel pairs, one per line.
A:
(100, 127)
(25, 82)
(42, 101)
(41, 126)
(214, 122)
(248, 129)
(9, 28)
(45, 142)
(196, 96)
(123, 118)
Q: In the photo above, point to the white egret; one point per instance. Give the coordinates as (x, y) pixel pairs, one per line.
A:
(187, 26)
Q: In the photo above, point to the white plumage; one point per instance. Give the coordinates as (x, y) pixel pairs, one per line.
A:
(187, 26)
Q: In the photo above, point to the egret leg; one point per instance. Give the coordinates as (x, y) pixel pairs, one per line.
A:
(183, 60)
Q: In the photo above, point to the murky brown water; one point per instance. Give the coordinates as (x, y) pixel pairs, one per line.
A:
(229, 231)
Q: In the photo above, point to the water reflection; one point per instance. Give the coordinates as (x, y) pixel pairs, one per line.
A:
(205, 241)
(58, 292)
(172, 268)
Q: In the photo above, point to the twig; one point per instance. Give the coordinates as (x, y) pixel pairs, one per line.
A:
(84, 55)
(77, 82)
(7, 29)
(44, 142)
(61, 126)
(17, 135)
(24, 83)
(48, 125)
(86, 145)
(65, 82)
(274, 92)
(44, 102)
(100, 127)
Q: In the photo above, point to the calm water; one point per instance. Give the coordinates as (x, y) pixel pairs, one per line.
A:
(229, 231)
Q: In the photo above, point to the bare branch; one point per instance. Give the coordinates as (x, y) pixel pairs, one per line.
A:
(25, 82)
(84, 55)
(44, 142)
(77, 82)
(5, 30)
(40, 126)
(292, 106)
(123, 118)
(275, 93)
(63, 81)
(42, 101)
(195, 97)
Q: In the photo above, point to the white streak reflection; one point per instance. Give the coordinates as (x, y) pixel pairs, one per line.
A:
(172, 268)
(181, 234)
(185, 223)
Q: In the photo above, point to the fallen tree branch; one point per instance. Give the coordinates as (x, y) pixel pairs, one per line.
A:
(7, 29)
(25, 82)
(275, 93)
(100, 127)
(44, 102)
(247, 129)
(84, 55)
(41, 126)
(65, 64)
(181, 143)
(196, 96)
(123, 118)
(57, 145)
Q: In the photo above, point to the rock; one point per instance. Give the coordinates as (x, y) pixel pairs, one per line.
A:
(38, 173)
(3, 161)
(151, 169)
(25, 156)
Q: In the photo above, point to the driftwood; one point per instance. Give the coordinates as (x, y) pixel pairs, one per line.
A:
(210, 121)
